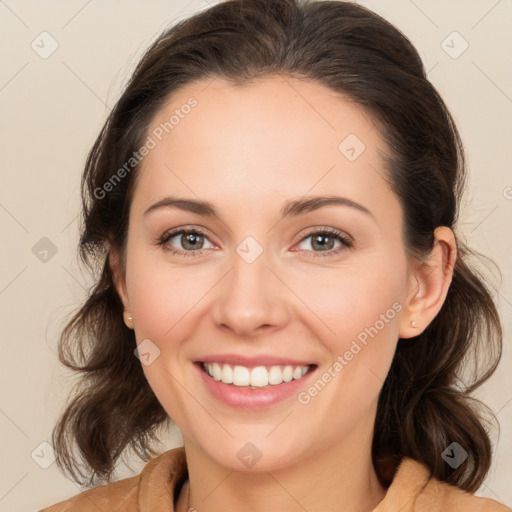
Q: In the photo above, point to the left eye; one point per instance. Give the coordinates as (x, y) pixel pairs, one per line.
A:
(324, 241)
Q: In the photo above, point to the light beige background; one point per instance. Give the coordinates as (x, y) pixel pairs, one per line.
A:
(51, 112)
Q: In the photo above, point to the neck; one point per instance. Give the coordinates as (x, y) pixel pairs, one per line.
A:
(329, 480)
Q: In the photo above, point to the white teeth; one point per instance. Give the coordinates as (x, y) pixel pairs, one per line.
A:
(241, 376)
(227, 374)
(258, 377)
(217, 372)
(288, 373)
(275, 376)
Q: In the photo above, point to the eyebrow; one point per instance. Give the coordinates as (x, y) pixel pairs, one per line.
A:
(290, 209)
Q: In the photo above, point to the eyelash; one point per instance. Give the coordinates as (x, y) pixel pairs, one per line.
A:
(334, 233)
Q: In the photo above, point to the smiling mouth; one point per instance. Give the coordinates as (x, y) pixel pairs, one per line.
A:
(257, 377)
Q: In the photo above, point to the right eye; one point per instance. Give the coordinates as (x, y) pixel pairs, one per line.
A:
(192, 241)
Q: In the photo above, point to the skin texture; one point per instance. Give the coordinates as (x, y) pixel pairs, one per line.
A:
(248, 150)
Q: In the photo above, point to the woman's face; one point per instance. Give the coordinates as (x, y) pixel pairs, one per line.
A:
(261, 284)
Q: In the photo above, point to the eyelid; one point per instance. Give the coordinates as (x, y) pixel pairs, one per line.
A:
(167, 235)
(324, 229)
(346, 241)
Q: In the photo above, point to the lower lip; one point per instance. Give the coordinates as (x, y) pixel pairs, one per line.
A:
(246, 398)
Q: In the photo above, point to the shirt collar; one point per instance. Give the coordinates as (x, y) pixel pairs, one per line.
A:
(162, 478)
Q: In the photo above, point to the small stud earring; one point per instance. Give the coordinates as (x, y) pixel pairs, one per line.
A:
(413, 323)
(130, 317)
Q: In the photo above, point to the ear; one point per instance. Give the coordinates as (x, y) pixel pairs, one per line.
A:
(429, 284)
(119, 278)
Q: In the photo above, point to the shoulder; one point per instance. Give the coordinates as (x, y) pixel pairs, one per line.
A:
(452, 498)
(155, 484)
(121, 492)
(413, 490)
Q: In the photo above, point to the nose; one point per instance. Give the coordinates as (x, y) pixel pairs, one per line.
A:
(251, 299)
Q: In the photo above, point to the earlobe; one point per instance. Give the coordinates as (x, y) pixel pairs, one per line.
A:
(431, 282)
(128, 319)
(119, 278)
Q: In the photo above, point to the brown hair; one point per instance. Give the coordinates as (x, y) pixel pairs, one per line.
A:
(424, 405)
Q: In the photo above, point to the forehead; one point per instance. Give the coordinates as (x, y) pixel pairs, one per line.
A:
(249, 116)
(277, 136)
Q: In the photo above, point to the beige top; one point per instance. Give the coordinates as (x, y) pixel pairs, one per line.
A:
(157, 486)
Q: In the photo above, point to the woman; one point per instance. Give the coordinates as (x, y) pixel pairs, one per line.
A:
(273, 202)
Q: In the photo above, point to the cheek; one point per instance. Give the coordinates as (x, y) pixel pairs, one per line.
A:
(165, 299)
(158, 302)
(348, 300)
(363, 318)
(164, 303)
(357, 313)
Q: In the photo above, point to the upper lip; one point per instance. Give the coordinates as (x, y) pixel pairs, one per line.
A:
(251, 362)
